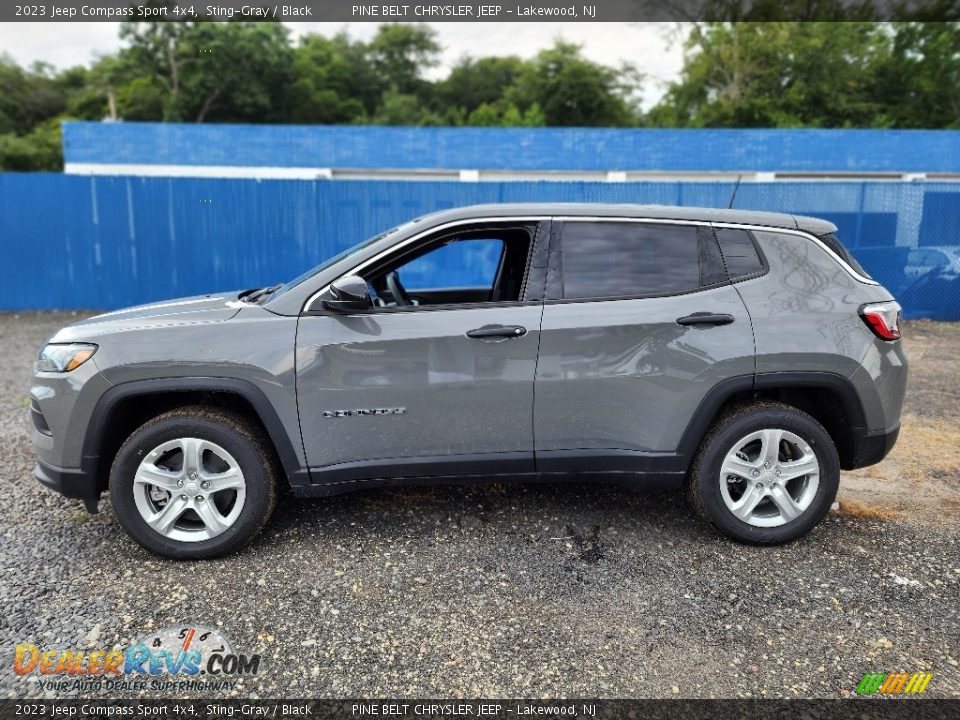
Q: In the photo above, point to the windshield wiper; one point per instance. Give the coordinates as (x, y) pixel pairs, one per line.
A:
(256, 295)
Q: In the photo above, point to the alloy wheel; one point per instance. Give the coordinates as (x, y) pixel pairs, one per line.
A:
(189, 489)
(769, 477)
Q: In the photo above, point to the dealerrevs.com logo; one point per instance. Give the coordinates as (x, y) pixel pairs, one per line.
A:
(180, 657)
(894, 683)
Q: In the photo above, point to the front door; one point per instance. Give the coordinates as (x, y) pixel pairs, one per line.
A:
(435, 379)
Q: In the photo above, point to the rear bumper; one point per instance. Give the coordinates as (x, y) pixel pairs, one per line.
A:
(870, 447)
(70, 483)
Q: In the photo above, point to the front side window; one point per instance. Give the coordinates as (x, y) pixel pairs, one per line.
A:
(472, 265)
(467, 263)
(628, 259)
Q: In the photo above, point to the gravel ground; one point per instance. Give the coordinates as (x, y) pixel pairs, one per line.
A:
(507, 591)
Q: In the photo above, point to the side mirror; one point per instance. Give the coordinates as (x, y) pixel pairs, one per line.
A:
(349, 294)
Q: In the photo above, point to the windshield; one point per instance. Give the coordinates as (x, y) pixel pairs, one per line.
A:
(286, 287)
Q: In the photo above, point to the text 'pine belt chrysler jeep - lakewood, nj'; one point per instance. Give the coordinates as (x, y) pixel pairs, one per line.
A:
(744, 356)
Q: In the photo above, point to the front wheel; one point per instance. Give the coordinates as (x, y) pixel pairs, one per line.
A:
(193, 483)
(765, 474)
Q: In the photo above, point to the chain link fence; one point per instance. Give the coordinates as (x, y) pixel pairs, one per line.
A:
(74, 241)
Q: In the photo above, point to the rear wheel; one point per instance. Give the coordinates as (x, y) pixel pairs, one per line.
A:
(193, 483)
(766, 473)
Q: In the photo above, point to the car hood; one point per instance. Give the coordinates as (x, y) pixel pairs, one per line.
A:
(181, 311)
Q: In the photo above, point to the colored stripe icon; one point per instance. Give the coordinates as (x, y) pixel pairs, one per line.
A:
(894, 683)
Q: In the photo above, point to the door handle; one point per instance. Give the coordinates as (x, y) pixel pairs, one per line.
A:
(497, 331)
(705, 318)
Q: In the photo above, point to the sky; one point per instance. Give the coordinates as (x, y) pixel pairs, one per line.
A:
(655, 48)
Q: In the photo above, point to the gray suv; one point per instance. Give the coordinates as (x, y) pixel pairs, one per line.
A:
(744, 356)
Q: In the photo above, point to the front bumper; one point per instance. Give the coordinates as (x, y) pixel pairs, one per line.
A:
(870, 447)
(70, 483)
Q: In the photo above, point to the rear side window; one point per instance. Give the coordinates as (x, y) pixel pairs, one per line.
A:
(832, 242)
(739, 253)
(625, 259)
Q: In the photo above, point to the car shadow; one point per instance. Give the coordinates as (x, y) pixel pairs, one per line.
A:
(576, 511)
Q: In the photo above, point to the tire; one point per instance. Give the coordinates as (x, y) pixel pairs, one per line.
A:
(738, 442)
(206, 507)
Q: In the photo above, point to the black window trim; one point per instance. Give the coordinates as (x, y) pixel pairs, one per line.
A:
(756, 246)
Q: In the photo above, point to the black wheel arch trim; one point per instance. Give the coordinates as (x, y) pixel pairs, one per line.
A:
(108, 402)
(839, 384)
(700, 423)
(723, 391)
(71, 483)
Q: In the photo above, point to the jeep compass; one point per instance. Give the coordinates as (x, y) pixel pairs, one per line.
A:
(745, 357)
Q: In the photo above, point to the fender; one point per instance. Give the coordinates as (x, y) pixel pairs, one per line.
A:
(93, 440)
(723, 391)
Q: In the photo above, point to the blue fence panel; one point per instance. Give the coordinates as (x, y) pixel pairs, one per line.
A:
(488, 148)
(105, 242)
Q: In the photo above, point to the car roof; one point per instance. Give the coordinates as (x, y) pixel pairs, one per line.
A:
(664, 212)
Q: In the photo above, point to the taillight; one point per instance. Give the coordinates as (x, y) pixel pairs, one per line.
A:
(883, 318)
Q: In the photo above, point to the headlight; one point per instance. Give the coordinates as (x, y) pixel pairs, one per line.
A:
(64, 358)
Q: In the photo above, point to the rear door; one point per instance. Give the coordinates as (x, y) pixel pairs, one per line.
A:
(640, 323)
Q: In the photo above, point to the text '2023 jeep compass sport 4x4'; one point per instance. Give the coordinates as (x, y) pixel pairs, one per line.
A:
(743, 355)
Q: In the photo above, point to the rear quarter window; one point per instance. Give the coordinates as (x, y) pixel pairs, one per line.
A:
(832, 242)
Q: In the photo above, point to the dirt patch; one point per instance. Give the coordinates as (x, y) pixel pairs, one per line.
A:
(933, 349)
(851, 508)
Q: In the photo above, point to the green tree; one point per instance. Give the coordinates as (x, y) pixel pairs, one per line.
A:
(31, 101)
(400, 54)
(335, 81)
(218, 72)
(40, 149)
(531, 117)
(399, 108)
(779, 74)
(27, 96)
(575, 92)
(506, 114)
(920, 77)
(244, 73)
(817, 74)
(478, 81)
(124, 90)
(161, 51)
